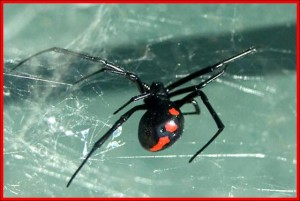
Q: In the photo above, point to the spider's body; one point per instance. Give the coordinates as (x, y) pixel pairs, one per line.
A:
(160, 127)
(163, 122)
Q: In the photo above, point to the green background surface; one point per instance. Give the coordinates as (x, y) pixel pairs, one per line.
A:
(49, 125)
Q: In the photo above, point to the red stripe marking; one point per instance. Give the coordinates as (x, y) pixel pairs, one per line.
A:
(173, 111)
(160, 144)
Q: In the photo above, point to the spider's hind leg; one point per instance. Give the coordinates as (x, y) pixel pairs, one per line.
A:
(211, 110)
(196, 107)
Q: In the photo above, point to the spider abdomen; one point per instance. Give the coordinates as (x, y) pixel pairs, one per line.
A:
(159, 128)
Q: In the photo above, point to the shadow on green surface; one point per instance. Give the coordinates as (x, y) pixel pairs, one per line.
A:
(276, 56)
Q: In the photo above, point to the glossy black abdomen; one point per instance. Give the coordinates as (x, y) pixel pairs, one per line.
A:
(159, 128)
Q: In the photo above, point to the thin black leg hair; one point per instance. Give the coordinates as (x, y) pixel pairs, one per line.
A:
(100, 142)
(109, 67)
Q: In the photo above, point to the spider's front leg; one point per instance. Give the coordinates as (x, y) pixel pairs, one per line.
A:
(108, 66)
(209, 69)
(100, 142)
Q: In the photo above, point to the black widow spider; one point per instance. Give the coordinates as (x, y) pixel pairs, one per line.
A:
(162, 124)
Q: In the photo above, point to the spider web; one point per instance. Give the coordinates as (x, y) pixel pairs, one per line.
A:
(50, 125)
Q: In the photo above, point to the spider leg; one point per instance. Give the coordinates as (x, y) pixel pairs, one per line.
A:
(100, 142)
(109, 67)
(199, 86)
(143, 87)
(211, 110)
(133, 99)
(196, 107)
(209, 69)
